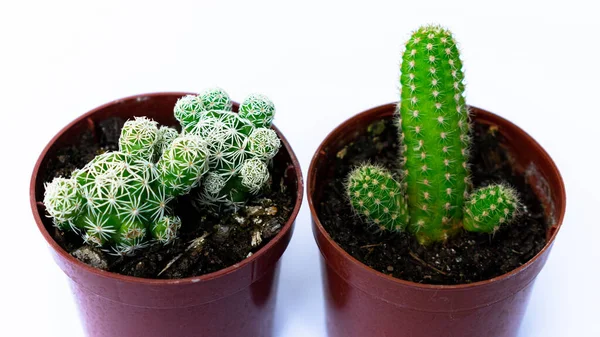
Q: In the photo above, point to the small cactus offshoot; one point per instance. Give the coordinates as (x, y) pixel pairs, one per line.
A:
(434, 131)
(120, 200)
(376, 195)
(489, 208)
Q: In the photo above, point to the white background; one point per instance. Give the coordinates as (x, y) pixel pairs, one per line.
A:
(535, 63)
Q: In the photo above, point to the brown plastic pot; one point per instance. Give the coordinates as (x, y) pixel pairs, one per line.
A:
(363, 302)
(236, 301)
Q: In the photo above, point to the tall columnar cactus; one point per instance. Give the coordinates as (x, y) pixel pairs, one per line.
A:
(120, 199)
(239, 145)
(434, 130)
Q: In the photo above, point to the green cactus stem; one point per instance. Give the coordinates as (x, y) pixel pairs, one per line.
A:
(259, 110)
(63, 201)
(166, 136)
(139, 137)
(183, 164)
(434, 132)
(215, 99)
(376, 195)
(489, 208)
(166, 228)
(186, 111)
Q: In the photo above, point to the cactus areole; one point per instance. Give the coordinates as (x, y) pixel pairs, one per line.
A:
(431, 189)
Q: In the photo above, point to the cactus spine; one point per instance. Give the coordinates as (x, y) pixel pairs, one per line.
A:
(433, 128)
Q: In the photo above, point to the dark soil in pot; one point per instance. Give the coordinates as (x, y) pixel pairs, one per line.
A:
(465, 258)
(209, 240)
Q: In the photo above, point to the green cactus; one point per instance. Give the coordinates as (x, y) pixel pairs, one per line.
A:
(139, 137)
(376, 195)
(165, 229)
(434, 127)
(120, 199)
(434, 132)
(183, 164)
(166, 136)
(489, 208)
(66, 201)
(215, 99)
(186, 111)
(259, 110)
(239, 148)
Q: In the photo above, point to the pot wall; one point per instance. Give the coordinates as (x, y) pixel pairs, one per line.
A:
(236, 301)
(363, 302)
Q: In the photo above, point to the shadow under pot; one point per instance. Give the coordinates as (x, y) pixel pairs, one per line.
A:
(363, 301)
(235, 301)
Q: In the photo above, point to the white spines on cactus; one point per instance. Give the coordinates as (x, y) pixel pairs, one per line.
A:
(165, 229)
(215, 99)
(258, 109)
(263, 143)
(186, 111)
(183, 164)
(232, 139)
(166, 136)
(63, 201)
(139, 137)
(213, 187)
(226, 136)
(254, 174)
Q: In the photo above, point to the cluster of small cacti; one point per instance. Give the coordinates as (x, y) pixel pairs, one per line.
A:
(434, 127)
(240, 144)
(120, 199)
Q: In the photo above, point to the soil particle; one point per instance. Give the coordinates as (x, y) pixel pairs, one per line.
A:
(465, 258)
(92, 256)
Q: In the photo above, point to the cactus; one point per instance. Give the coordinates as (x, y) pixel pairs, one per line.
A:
(139, 137)
(183, 164)
(120, 199)
(434, 128)
(239, 145)
(215, 99)
(375, 194)
(166, 136)
(434, 131)
(165, 229)
(259, 110)
(63, 201)
(489, 208)
(186, 111)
